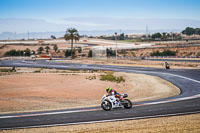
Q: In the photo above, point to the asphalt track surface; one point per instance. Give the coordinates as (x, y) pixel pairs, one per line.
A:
(188, 102)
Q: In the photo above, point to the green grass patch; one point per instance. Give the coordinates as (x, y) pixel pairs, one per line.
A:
(8, 70)
(112, 78)
(37, 71)
(5, 70)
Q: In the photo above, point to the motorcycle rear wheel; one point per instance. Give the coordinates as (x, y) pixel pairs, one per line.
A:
(127, 104)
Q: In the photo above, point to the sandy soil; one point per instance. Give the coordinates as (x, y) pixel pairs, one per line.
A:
(175, 124)
(44, 91)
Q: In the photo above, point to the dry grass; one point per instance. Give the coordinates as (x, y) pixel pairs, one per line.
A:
(174, 124)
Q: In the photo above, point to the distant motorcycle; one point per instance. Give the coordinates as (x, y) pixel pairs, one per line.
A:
(110, 102)
(167, 66)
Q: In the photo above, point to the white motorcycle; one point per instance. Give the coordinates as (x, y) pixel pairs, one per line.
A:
(109, 102)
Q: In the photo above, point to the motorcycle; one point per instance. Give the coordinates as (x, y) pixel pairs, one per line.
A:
(110, 102)
(167, 67)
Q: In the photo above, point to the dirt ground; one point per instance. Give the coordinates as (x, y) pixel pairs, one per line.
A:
(173, 124)
(27, 90)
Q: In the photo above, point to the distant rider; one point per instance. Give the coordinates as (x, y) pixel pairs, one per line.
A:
(167, 65)
(113, 92)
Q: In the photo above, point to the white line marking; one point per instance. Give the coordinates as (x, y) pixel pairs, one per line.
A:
(170, 100)
(165, 74)
(101, 121)
(50, 113)
(86, 110)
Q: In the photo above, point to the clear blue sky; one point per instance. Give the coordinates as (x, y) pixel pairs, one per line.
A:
(64, 11)
(58, 9)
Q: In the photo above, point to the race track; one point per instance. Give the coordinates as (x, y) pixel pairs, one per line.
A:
(186, 103)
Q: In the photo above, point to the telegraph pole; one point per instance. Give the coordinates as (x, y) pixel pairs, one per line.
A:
(28, 35)
(147, 31)
(116, 44)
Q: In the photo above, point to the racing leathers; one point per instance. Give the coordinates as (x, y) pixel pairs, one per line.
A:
(117, 95)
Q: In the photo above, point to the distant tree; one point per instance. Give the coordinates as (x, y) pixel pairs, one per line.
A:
(53, 37)
(55, 47)
(168, 35)
(79, 49)
(188, 31)
(121, 36)
(156, 35)
(90, 54)
(110, 52)
(27, 52)
(11, 53)
(164, 36)
(47, 49)
(40, 49)
(18, 53)
(72, 34)
(69, 53)
(197, 31)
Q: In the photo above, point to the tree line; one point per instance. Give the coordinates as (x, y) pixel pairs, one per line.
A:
(191, 31)
(164, 53)
(26, 52)
(175, 36)
(165, 36)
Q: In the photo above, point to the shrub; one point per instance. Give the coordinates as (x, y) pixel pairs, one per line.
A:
(198, 54)
(91, 77)
(112, 78)
(26, 52)
(110, 52)
(47, 49)
(37, 71)
(40, 49)
(79, 49)
(90, 54)
(68, 53)
(164, 53)
(5, 70)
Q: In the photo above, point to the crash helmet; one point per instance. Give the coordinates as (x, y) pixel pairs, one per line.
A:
(108, 89)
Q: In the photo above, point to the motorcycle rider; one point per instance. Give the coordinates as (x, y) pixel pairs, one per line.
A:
(167, 66)
(113, 92)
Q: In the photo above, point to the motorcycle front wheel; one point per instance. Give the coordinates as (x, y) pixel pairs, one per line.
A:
(106, 105)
